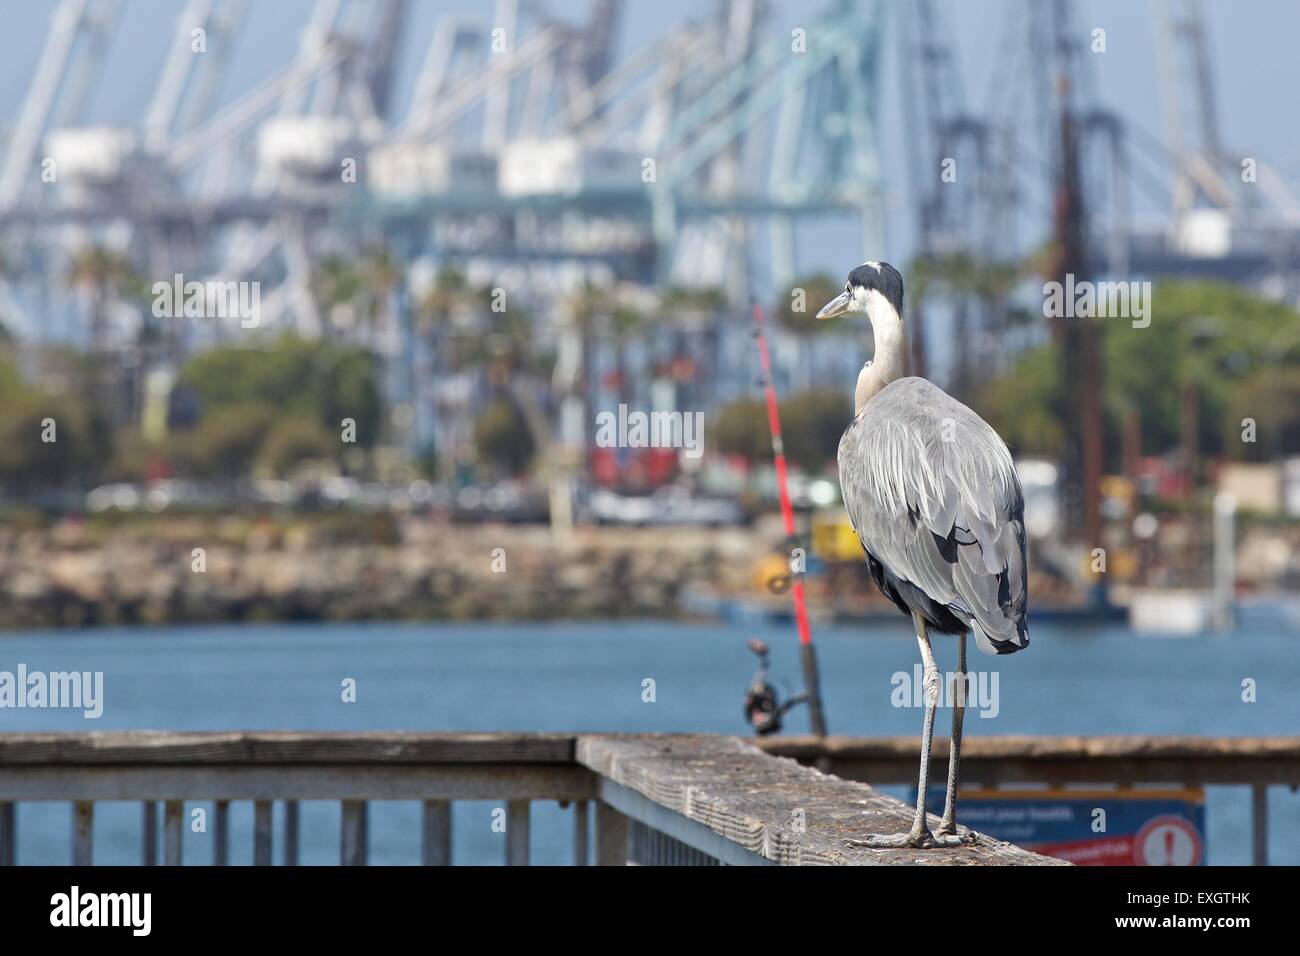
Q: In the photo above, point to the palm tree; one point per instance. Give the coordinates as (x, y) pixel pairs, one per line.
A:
(515, 372)
(103, 274)
(586, 309)
(440, 310)
(363, 285)
(438, 313)
(336, 284)
(685, 312)
(627, 324)
(380, 275)
(599, 315)
(498, 348)
(963, 280)
(816, 290)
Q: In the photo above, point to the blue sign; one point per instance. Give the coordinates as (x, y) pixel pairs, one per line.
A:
(1090, 827)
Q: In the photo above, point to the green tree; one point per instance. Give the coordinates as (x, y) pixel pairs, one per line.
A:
(811, 426)
(1211, 337)
(226, 442)
(336, 285)
(105, 275)
(740, 428)
(968, 284)
(294, 440)
(134, 457)
(1239, 353)
(43, 444)
(679, 298)
(84, 379)
(447, 316)
(1020, 405)
(11, 381)
(357, 289)
(502, 437)
(810, 293)
(349, 387)
(1271, 399)
(326, 382)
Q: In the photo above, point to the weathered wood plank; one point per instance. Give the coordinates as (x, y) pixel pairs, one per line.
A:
(651, 847)
(83, 833)
(436, 843)
(581, 856)
(8, 833)
(149, 833)
(291, 831)
(172, 841)
(353, 835)
(611, 836)
(992, 761)
(296, 782)
(640, 813)
(774, 808)
(221, 833)
(518, 827)
(1259, 825)
(1190, 759)
(262, 824)
(283, 747)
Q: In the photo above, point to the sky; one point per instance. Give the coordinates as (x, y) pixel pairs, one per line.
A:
(1251, 42)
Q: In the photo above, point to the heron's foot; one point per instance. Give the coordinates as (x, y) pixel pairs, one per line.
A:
(948, 829)
(924, 840)
(893, 841)
(947, 833)
(920, 840)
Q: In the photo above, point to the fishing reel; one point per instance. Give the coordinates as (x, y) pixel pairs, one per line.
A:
(763, 707)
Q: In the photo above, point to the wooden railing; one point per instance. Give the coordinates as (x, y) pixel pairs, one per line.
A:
(671, 799)
(1124, 761)
(658, 799)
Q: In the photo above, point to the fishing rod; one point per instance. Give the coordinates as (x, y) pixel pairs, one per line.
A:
(807, 653)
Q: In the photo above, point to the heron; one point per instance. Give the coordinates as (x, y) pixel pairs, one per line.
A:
(934, 498)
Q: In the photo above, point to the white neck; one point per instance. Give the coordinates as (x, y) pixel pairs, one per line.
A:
(890, 361)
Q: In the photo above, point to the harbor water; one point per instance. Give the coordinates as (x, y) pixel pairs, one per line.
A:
(624, 676)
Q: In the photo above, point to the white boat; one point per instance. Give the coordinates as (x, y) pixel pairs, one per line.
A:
(1177, 612)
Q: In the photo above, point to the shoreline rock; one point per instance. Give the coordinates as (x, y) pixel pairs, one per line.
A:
(143, 575)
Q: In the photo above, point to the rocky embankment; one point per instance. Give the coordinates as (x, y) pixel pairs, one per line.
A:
(78, 574)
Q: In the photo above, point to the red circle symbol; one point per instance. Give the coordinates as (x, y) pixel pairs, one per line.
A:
(1167, 841)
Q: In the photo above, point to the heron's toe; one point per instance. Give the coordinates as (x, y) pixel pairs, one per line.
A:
(950, 838)
(893, 841)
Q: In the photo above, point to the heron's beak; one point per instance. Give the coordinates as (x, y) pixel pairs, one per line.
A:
(836, 306)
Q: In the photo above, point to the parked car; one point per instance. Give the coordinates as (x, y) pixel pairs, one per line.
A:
(666, 506)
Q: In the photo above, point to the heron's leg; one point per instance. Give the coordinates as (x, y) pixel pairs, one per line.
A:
(919, 835)
(948, 826)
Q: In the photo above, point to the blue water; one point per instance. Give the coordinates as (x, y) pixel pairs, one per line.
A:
(589, 677)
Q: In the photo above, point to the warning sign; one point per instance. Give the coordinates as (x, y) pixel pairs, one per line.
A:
(1090, 827)
(1167, 841)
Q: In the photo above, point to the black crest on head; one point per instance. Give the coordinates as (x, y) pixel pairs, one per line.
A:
(882, 277)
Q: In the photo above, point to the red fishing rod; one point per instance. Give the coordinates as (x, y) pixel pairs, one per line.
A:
(808, 654)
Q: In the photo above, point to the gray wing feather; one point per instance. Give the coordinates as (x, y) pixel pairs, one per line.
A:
(934, 496)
